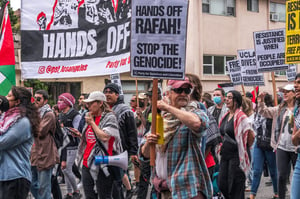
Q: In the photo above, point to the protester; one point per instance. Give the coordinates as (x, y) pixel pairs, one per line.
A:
(101, 126)
(238, 135)
(69, 117)
(247, 108)
(133, 103)
(219, 109)
(186, 175)
(44, 153)
(18, 125)
(127, 129)
(281, 139)
(263, 152)
(4, 104)
(295, 191)
(82, 105)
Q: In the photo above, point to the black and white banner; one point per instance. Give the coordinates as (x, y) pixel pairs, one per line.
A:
(158, 42)
(75, 38)
(235, 73)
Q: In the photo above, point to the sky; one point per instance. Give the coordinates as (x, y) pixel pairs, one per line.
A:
(15, 4)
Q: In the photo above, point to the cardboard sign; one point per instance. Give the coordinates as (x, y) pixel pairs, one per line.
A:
(158, 38)
(249, 72)
(269, 50)
(291, 72)
(234, 70)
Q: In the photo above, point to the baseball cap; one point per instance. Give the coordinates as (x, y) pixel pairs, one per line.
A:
(142, 96)
(179, 83)
(289, 87)
(96, 96)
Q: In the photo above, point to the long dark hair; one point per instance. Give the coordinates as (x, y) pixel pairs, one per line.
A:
(197, 91)
(237, 99)
(27, 108)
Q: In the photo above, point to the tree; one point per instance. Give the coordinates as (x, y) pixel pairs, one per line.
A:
(13, 18)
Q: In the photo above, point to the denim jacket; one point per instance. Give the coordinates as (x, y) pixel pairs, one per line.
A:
(15, 146)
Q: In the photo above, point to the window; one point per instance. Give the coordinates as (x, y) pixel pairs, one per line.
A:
(215, 65)
(252, 5)
(277, 12)
(219, 7)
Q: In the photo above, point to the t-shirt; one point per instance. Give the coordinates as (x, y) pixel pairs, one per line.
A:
(90, 141)
(285, 142)
(228, 150)
(216, 114)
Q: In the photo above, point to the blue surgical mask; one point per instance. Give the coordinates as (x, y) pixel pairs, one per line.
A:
(217, 99)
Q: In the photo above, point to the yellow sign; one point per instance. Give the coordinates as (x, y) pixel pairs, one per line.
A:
(292, 40)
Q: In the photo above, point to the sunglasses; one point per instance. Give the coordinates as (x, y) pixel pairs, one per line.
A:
(132, 100)
(180, 90)
(38, 99)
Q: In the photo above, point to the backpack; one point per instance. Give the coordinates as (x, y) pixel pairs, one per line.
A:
(58, 135)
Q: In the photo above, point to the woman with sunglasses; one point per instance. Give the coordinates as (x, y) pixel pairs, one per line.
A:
(281, 137)
(18, 125)
(237, 135)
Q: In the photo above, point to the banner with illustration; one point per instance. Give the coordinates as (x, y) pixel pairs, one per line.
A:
(74, 38)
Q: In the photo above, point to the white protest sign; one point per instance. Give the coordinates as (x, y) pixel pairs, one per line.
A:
(291, 72)
(115, 78)
(270, 50)
(158, 38)
(249, 69)
(234, 69)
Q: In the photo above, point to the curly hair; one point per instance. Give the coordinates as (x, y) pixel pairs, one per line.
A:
(27, 108)
(247, 106)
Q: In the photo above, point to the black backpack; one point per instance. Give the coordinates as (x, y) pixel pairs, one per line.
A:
(58, 135)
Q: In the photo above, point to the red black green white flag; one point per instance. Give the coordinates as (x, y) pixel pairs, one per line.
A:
(7, 55)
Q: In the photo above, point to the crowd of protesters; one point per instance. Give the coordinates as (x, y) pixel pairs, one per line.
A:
(213, 145)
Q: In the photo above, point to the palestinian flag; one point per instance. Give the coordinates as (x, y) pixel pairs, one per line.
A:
(7, 55)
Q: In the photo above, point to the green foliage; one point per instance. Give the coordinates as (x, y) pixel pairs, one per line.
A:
(13, 18)
(36, 84)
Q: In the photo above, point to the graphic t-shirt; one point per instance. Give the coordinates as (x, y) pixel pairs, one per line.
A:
(285, 142)
(90, 141)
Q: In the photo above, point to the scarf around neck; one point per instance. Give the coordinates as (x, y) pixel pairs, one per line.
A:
(9, 118)
(44, 109)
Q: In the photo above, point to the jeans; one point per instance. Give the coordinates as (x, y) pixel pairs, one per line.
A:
(41, 183)
(68, 173)
(259, 157)
(295, 191)
(283, 159)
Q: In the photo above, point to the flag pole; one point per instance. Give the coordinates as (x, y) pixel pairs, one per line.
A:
(136, 93)
(274, 88)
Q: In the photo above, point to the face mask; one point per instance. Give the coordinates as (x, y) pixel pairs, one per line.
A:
(61, 105)
(217, 99)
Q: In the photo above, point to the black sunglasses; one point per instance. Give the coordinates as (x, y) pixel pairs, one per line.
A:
(179, 90)
(38, 99)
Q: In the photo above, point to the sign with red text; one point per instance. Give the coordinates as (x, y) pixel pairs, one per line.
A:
(74, 38)
(269, 50)
(158, 38)
(249, 72)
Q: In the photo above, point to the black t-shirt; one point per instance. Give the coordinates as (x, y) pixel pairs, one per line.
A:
(228, 150)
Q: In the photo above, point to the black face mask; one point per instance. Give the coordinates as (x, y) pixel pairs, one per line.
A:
(141, 104)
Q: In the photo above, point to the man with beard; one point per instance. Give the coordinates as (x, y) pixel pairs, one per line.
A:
(44, 153)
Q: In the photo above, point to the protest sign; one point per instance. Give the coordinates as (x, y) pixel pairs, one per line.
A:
(158, 38)
(234, 69)
(292, 47)
(249, 72)
(115, 78)
(70, 38)
(269, 50)
(291, 72)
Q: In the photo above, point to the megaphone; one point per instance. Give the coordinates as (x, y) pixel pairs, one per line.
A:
(120, 160)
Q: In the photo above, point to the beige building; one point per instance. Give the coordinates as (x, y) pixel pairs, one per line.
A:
(216, 30)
